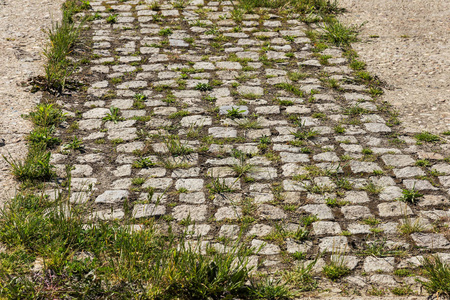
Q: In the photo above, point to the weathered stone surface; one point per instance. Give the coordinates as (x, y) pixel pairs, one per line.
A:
(189, 184)
(430, 240)
(259, 230)
(333, 244)
(230, 213)
(394, 209)
(193, 198)
(327, 228)
(355, 212)
(363, 167)
(374, 264)
(271, 212)
(112, 196)
(356, 197)
(408, 172)
(148, 210)
(265, 248)
(195, 212)
(322, 211)
(398, 161)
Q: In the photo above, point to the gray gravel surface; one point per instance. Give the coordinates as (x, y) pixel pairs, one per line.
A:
(411, 54)
(21, 43)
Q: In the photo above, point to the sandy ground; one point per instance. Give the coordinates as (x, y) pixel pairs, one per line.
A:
(21, 43)
(411, 54)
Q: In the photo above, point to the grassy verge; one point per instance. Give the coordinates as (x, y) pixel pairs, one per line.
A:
(62, 38)
(53, 252)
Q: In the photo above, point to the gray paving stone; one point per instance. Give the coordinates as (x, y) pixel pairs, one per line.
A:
(229, 231)
(198, 230)
(265, 248)
(194, 212)
(287, 157)
(158, 183)
(193, 198)
(375, 264)
(357, 228)
(271, 212)
(322, 211)
(419, 185)
(394, 209)
(246, 90)
(355, 212)
(391, 193)
(228, 213)
(430, 240)
(327, 156)
(108, 214)
(398, 161)
(383, 280)
(408, 172)
(294, 246)
(376, 127)
(363, 167)
(222, 132)
(148, 210)
(333, 244)
(189, 184)
(326, 228)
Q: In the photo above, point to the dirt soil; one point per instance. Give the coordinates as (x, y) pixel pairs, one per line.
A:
(406, 44)
(21, 42)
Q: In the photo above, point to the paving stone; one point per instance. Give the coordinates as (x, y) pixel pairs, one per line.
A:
(271, 212)
(376, 127)
(347, 260)
(287, 157)
(355, 212)
(391, 193)
(196, 121)
(356, 197)
(327, 156)
(294, 246)
(194, 212)
(83, 184)
(193, 198)
(383, 280)
(222, 132)
(148, 210)
(260, 230)
(430, 240)
(363, 167)
(198, 230)
(96, 113)
(82, 171)
(356, 228)
(322, 211)
(265, 248)
(246, 90)
(419, 185)
(333, 244)
(442, 168)
(328, 228)
(108, 214)
(398, 161)
(228, 213)
(158, 183)
(394, 209)
(189, 184)
(229, 231)
(375, 264)
(408, 172)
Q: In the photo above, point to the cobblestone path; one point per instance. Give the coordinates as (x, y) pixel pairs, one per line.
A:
(250, 128)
